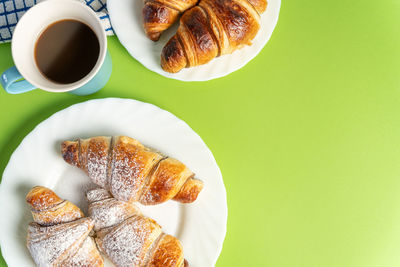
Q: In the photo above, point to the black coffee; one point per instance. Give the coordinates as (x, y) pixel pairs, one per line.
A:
(67, 51)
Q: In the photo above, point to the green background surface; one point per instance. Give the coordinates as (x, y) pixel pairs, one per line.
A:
(307, 135)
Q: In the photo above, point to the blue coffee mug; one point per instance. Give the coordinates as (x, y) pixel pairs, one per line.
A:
(29, 27)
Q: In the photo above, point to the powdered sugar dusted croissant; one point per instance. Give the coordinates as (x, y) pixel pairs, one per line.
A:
(132, 172)
(60, 235)
(48, 209)
(129, 238)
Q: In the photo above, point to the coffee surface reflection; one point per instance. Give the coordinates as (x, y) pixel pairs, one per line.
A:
(66, 51)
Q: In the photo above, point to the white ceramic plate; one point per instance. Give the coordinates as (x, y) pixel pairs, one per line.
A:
(126, 19)
(201, 226)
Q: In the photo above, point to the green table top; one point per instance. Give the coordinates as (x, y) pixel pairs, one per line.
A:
(307, 135)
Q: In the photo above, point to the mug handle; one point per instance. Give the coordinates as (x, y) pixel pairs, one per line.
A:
(10, 82)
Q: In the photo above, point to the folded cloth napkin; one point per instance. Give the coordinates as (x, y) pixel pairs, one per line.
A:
(12, 10)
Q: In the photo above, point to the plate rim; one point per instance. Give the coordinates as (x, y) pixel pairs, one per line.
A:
(5, 251)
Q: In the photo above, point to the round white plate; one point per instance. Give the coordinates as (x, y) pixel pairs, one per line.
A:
(126, 19)
(201, 226)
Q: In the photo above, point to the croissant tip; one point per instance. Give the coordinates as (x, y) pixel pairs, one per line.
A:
(190, 191)
(40, 197)
(70, 152)
(173, 58)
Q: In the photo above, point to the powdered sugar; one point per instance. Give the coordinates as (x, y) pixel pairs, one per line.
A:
(124, 166)
(52, 244)
(97, 168)
(127, 244)
(97, 194)
(131, 164)
(63, 212)
(129, 238)
(107, 211)
(97, 159)
(59, 236)
(45, 201)
(125, 180)
(149, 198)
(87, 255)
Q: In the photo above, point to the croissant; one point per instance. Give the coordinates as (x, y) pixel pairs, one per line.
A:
(129, 238)
(132, 172)
(211, 29)
(159, 15)
(59, 235)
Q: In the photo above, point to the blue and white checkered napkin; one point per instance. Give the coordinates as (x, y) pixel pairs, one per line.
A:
(12, 10)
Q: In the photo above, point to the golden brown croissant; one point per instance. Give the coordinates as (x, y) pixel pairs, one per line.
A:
(60, 235)
(132, 172)
(129, 238)
(159, 15)
(211, 29)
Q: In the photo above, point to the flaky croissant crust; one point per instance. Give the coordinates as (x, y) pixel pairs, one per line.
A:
(159, 15)
(127, 237)
(132, 172)
(59, 235)
(210, 29)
